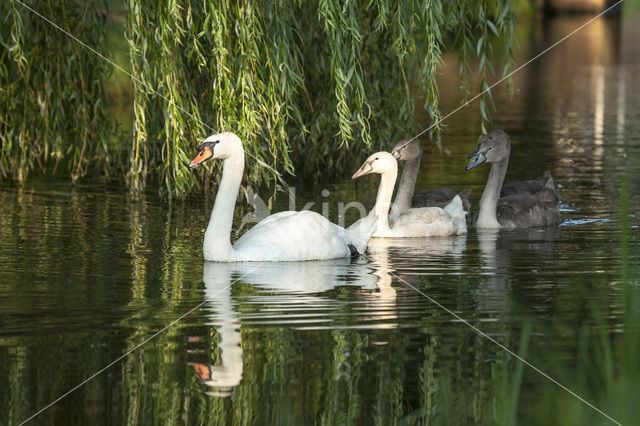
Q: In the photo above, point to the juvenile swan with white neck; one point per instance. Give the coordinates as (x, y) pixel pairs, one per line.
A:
(284, 236)
(523, 209)
(412, 222)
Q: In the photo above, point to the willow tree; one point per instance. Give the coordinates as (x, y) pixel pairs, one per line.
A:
(52, 98)
(303, 83)
(307, 85)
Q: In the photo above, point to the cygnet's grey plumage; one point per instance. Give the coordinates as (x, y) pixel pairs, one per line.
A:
(409, 152)
(532, 187)
(440, 198)
(523, 204)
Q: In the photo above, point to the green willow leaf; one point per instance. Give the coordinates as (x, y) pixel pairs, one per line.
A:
(310, 87)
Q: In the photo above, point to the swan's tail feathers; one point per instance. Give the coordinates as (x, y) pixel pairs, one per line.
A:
(465, 196)
(454, 208)
(548, 181)
(361, 231)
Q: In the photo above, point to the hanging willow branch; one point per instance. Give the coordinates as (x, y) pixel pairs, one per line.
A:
(307, 85)
(52, 110)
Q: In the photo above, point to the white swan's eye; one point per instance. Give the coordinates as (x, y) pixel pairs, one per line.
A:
(377, 158)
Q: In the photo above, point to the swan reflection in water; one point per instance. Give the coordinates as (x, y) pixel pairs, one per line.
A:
(498, 252)
(299, 284)
(302, 286)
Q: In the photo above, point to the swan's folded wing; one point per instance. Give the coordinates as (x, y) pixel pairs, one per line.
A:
(456, 210)
(440, 198)
(432, 197)
(420, 217)
(275, 218)
(531, 187)
(421, 222)
(303, 235)
(524, 211)
(431, 221)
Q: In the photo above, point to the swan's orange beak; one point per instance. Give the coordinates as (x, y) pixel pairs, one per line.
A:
(202, 156)
(203, 371)
(364, 170)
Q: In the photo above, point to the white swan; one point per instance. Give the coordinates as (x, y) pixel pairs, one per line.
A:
(413, 222)
(523, 209)
(284, 236)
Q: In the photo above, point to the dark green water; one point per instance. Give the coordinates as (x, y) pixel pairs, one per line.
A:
(86, 275)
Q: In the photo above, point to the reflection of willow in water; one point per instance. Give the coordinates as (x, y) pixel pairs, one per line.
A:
(467, 378)
(498, 254)
(152, 385)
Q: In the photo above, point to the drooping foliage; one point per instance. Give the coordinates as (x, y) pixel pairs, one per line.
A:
(307, 85)
(52, 98)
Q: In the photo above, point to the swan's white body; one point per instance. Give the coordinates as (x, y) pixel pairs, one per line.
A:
(285, 236)
(293, 236)
(412, 222)
(427, 222)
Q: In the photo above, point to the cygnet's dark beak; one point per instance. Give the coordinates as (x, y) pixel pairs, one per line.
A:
(475, 151)
(476, 161)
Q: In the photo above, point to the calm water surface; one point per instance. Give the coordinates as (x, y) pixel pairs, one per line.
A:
(86, 275)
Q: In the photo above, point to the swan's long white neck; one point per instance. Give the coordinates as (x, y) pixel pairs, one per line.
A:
(407, 185)
(488, 203)
(217, 237)
(383, 199)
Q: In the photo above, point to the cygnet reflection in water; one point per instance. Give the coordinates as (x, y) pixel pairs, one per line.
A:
(497, 252)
